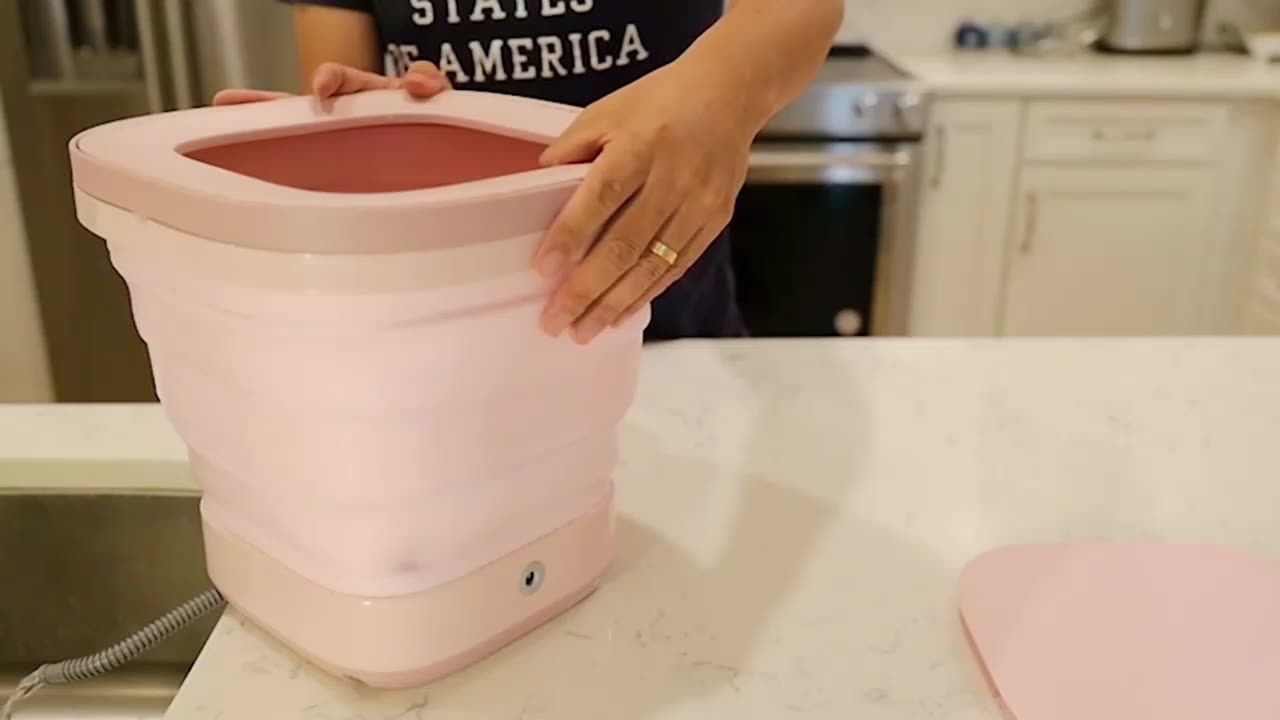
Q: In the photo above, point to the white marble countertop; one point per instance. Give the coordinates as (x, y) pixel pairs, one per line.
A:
(71, 432)
(85, 447)
(793, 518)
(1202, 75)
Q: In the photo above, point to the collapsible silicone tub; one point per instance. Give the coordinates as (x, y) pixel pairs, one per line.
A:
(400, 472)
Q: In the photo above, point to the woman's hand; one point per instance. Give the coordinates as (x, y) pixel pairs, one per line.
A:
(423, 80)
(670, 154)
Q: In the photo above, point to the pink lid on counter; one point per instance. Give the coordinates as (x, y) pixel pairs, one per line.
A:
(1127, 631)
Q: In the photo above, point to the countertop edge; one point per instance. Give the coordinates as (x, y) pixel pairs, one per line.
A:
(1219, 76)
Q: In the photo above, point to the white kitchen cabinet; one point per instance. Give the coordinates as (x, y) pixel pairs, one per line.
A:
(968, 173)
(1100, 250)
(1103, 216)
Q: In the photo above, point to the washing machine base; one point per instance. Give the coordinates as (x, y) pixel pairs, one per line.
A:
(411, 640)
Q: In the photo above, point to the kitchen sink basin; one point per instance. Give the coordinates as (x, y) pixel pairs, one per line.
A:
(84, 567)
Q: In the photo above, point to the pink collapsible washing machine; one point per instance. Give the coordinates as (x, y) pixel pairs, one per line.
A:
(401, 473)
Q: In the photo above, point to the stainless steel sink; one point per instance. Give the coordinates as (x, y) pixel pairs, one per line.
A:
(81, 569)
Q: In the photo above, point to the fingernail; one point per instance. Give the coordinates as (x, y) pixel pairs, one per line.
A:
(551, 264)
(422, 87)
(557, 323)
(323, 85)
(587, 331)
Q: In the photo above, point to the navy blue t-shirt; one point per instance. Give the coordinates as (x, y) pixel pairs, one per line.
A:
(568, 51)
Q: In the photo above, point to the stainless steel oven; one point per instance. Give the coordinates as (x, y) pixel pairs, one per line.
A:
(823, 229)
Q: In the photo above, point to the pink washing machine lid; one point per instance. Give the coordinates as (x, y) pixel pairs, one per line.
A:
(376, 172)
(1127, 631)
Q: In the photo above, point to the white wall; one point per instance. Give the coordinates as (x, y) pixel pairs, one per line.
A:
(929, 24)
(24, 367)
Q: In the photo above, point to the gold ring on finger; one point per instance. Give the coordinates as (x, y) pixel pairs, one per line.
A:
(664, 251)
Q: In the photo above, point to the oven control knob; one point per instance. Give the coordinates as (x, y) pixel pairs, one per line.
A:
(910, 110)
(848, 322)
(866, 104)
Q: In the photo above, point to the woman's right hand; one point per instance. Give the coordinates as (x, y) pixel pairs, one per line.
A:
(423, 80)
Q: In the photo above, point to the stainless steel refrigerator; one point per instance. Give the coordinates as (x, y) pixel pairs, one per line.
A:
(70, 64)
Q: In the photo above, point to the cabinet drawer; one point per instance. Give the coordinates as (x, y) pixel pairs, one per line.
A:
(1100, 131)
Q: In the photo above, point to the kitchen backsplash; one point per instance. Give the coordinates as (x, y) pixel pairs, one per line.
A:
(929, 24)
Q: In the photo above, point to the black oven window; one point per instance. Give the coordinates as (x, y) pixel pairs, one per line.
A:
(805, 257)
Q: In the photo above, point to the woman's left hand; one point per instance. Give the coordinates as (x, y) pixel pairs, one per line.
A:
(670, 153)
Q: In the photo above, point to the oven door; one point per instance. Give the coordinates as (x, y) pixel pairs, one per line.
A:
(822, 239)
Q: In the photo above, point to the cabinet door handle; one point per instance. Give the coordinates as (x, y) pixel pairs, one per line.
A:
(1033, 220)
(939, 156)
(1143, 135)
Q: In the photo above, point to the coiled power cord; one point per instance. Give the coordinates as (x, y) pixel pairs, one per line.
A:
(104, 661)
